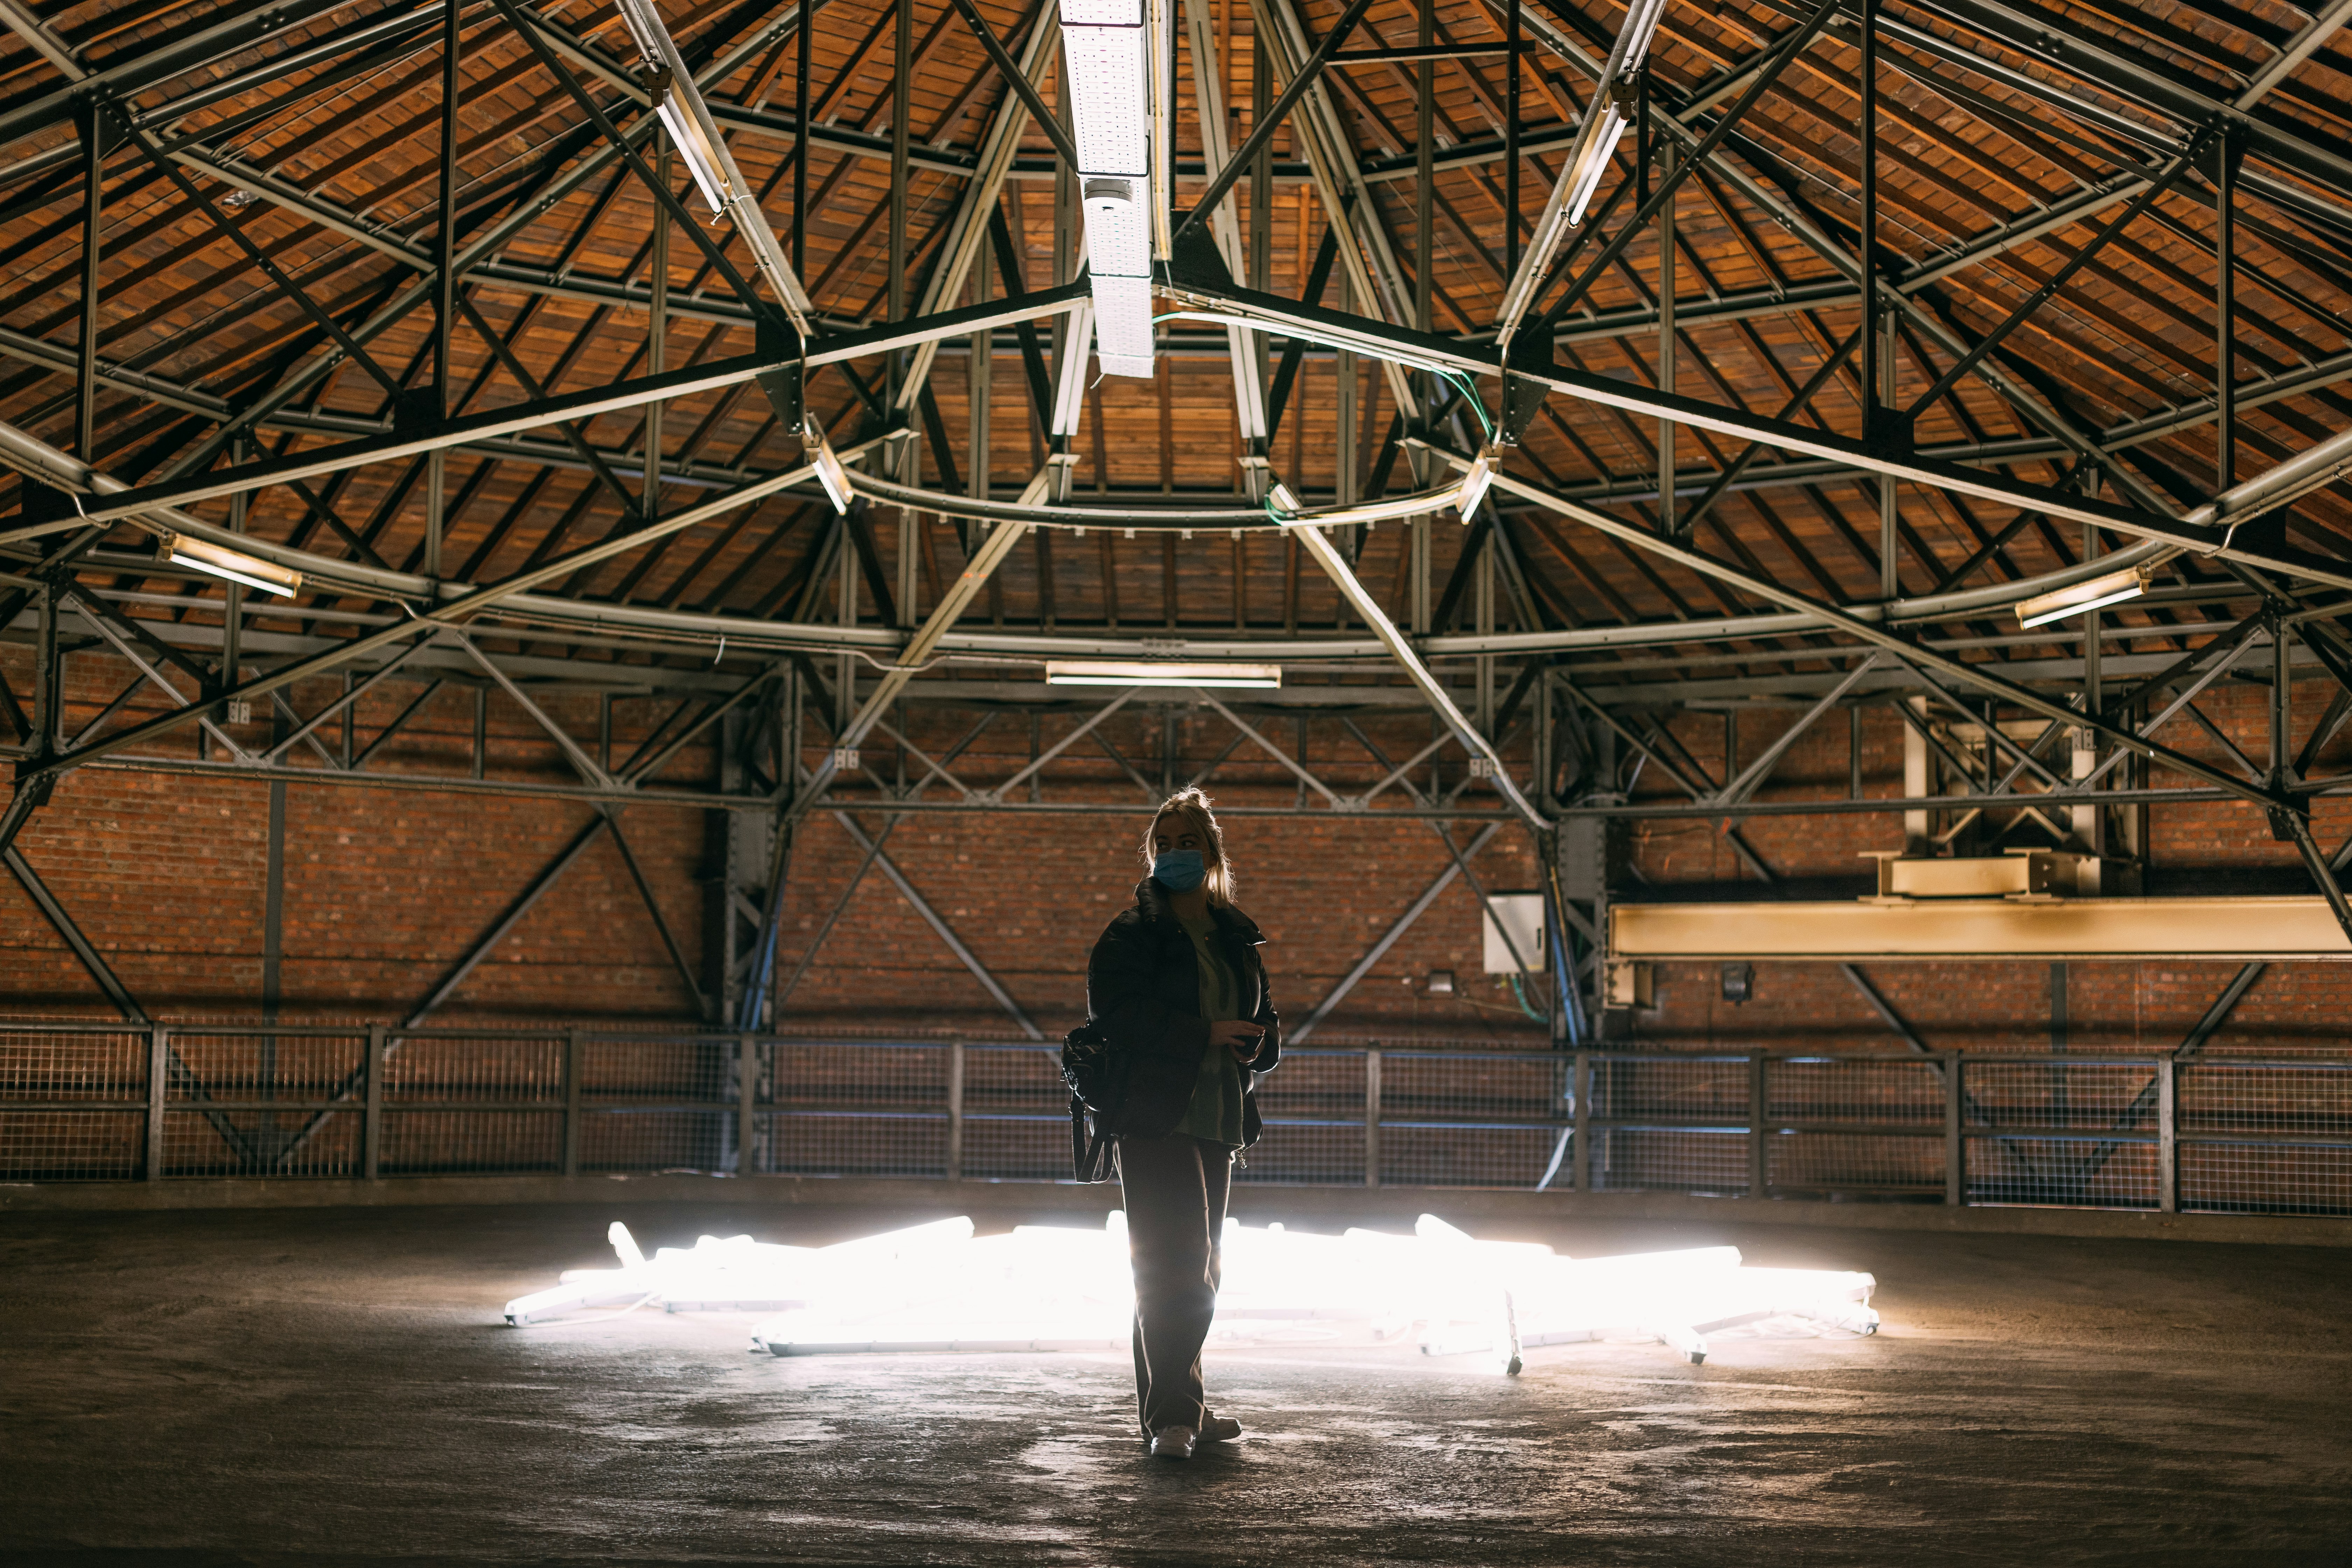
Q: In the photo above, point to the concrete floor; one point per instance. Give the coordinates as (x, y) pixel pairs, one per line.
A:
(223, 1388)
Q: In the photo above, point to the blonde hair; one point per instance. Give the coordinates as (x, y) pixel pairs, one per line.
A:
(1193, 806)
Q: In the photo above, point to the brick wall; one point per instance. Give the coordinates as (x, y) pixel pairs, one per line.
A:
(386, 889)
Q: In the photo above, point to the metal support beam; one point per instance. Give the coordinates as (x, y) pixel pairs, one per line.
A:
(84, 951)
(1368, 609)
(487, 943)
(1404, 923)
(946, 933)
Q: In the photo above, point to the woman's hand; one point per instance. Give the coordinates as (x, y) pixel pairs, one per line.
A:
(1238, 1036)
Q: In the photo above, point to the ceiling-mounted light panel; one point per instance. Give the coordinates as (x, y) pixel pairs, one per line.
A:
(1108, 53)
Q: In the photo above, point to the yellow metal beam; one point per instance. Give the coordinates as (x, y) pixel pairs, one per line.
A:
(2240, 930)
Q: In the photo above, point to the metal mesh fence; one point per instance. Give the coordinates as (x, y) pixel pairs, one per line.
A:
(856, 1076)
(2266, 1178)
(1897, 1093)
(455, 1142)
(264, 1063)
(71, 1145)
(2251, 1136)
(1016, 1114)
(1314, 1123)
(659, 1068)
(2241, 1122)
(2073, 1134)
(1849, 1165)
(2064, 1172)
(1432, 1085)
(1308, 1153)
(1691, 1160)
(853, 1108)
(1314, 1086)
(208, 1142)
(1454, 1154)
(657, 1140)
(1823, 1120)
(1017, 1147)
(1649, 1088)
(2265, 1097)
(856, 1143)
(501, 1069)
(1471, 1119)
(52, 1066)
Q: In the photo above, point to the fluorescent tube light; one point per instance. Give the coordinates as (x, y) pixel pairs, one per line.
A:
(1118, 672)
(938, 1287)
(678, 103)
(2080, 598)
(234, 565)
(831, 474)
(1476, 478)
(1282, 499)
(1604, 125)
(1594, 160)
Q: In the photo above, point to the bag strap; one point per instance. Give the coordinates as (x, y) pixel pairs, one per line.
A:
(1089, 1149)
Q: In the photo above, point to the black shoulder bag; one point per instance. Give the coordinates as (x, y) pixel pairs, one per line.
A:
(1096, 1071)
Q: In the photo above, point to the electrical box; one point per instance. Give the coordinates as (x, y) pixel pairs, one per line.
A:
(1520, 918)
(1627, 983)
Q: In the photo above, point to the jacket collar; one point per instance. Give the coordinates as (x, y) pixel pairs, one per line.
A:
(1152, 899)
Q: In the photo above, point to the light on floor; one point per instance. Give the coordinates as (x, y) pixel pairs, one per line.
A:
(938, 1287)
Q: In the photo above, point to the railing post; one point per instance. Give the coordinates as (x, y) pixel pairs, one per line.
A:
(572, 1086)
(2168, 1136)
(1579, 1091)
(1756, 1113)
(159, 1079)
(1371, 1118)
(1956, 1148)
(747, 1096)
(955, 1111)
(372, 1105)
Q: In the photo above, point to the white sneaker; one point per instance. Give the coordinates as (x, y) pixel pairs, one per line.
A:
(1173, 1442)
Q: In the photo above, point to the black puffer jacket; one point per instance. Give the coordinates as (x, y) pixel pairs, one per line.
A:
(1143, 990)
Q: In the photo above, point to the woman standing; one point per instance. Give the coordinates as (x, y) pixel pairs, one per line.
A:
(1177, 985)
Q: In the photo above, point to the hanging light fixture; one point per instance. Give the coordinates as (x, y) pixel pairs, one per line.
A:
(1108, 52)
(1476, 478)
(678, 103)
(1604, 125)
(234, 565)
(1122, 672)
(831, 472)
(2080, 598)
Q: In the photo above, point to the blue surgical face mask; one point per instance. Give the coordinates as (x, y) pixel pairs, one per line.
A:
(1178, 870)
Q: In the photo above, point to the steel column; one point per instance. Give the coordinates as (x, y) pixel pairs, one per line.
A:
(372, 1106)
(158, 1078)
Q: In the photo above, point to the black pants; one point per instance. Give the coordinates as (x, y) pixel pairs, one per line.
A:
(1175, 1191)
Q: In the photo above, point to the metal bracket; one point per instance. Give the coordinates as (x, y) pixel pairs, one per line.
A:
(785, 384)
